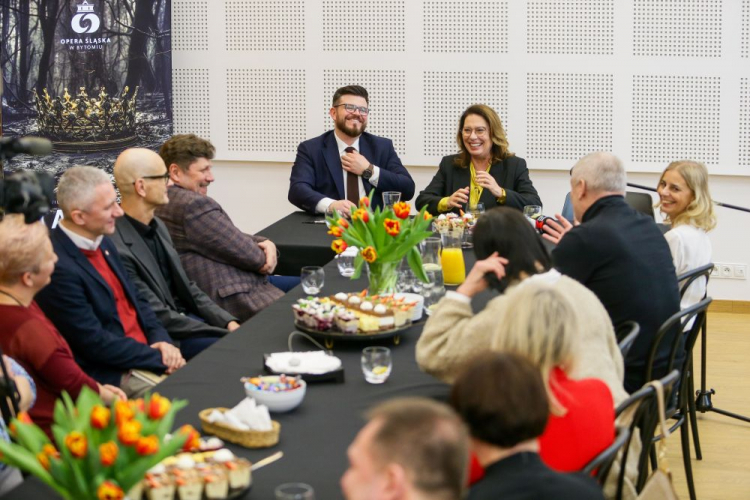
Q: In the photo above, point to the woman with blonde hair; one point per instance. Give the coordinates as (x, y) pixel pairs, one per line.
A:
(483, 171)
(686, 203)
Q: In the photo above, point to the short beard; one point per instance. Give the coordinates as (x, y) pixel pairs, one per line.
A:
(342, 126)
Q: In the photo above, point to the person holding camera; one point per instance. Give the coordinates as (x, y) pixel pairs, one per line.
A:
(10, 477)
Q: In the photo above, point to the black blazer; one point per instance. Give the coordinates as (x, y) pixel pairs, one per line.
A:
(82, 307)
(146, 274)
(511, 174)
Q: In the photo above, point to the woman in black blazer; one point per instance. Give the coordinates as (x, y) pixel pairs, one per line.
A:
(484, 170)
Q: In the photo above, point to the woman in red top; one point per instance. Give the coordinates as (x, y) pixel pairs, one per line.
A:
(26, 264)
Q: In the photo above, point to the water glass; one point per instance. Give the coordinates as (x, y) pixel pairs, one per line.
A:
(532, 212)
(477, 210)
(294, 491)
(313, 278)
(405, 281)
(434, 289)
(345, 263)
(376, 364)
(390, 198)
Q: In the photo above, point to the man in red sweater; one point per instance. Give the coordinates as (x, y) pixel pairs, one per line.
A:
(111, 329)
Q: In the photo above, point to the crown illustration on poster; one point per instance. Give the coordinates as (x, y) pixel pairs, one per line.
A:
(81, 122)
(85, 7)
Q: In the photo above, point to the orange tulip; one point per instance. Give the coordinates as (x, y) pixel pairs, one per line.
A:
(50, 450)
(129, 432)
(158, 406)
(43, 459)
(123, 412)
(100, 417)
(427, 215)
(338, 246)
(392, 226)
(109, 490)
(401, 209)
(108, 453)
(147, 445)
(193, 440)
(361, 214)
(336, 231)
(77, 444)
(364, 201)
(342, 223)
(369, 254)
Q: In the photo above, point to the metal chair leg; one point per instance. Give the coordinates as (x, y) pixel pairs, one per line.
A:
(692, 413)
(685, 438)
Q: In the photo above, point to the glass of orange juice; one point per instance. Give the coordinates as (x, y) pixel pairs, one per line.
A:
(452, 258)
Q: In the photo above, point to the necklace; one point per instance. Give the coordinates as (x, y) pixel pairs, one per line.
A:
(12, 297)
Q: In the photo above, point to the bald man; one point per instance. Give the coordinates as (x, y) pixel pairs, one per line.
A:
(189, 315)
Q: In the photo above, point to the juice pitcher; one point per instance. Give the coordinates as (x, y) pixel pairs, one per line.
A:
(452, 257)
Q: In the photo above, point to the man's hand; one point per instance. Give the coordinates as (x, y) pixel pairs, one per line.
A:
(488, 182)
(232, 326)
(270, 249)
(475, 281)
(354, 162)
(110, 394)
(170, 356)
(343, 207)
(459, 198)
(554, 231)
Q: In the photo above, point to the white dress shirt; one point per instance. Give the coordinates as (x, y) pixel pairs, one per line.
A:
(82, 241)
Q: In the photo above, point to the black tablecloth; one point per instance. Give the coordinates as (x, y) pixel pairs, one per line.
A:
(299, 242)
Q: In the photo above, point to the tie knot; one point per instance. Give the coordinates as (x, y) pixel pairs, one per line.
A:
(349, 149)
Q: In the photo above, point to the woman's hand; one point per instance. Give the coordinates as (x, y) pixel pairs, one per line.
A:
(459, 198)
(488, 182)
(475, 281)
(110, 393)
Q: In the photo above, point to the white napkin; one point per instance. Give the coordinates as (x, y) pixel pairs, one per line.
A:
(244, 417)
(350, 252)
(312, 362)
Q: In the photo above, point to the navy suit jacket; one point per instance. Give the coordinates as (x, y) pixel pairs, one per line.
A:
(317, 172)
(82, 307)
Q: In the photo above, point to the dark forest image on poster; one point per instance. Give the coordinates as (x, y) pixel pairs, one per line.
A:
(92, 76)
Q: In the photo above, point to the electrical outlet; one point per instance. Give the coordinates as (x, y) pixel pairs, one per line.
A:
(726, 270)
(740, 271)
(716, 272)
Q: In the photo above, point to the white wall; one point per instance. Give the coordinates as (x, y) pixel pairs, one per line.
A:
(255, 195)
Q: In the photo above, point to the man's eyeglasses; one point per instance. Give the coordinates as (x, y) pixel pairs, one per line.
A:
(352, 108)
(164, 177)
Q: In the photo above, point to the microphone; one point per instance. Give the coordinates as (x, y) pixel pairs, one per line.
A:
(12, 146)
(540, 221)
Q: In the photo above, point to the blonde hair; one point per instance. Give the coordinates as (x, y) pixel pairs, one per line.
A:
(543, 328)
(700, 211)
(21, 247)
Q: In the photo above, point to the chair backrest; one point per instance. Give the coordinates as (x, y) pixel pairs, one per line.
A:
(599, 467)
(641, 202)
(567, 209)
(693, 275)
(626, 334)
(642, 407)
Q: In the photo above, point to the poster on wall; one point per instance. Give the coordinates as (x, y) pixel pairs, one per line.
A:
(92, 76)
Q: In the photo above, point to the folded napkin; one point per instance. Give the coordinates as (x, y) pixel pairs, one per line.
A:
(350, 252)
(247, 415)
(312, 362)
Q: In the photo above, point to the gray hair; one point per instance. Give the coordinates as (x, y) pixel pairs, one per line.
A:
(603, 173)
(75, 191)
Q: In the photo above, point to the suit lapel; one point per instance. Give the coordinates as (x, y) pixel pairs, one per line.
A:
(498, 172)
(79, 258)
(366, 150)
(333, 160)
(179, 278)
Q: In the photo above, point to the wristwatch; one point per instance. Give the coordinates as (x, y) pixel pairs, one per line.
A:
(368, 172)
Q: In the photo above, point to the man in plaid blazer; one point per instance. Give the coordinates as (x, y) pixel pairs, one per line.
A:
(233, 268)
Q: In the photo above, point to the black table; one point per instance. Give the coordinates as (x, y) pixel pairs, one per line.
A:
(300, 242)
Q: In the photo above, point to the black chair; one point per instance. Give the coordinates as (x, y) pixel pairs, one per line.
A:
(641, 202)
(626, 334)
(682, 342)
(687, 279)
(643, 406)
(600, 465)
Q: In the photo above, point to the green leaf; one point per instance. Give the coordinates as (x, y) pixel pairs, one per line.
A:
(359, 262)
(136, 470)
(414, 258)
(25, 460)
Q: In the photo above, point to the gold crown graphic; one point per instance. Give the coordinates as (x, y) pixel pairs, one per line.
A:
(84, 123)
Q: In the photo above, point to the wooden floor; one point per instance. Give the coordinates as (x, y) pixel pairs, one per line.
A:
(724, 472)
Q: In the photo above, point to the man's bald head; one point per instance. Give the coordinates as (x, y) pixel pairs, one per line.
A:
(134, 164)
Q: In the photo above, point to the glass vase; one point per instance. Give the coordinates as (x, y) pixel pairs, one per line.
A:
(383, 277)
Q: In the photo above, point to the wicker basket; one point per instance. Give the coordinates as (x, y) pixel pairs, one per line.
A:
(248, 439)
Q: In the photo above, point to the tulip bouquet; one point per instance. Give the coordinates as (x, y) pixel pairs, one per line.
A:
(99, 452)
(384, 237)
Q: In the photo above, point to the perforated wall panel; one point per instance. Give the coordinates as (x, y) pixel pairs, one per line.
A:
(191, 101)
(568, 115)
(744, 156)
(387, 94)
(473, 26)
(267, 25)
(745, 44)
(675, 117)
(190, 16)
(447, 94)
(570, 26)
(364, 25)
(264, 107)
(677, 28)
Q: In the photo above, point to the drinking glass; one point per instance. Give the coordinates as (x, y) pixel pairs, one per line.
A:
(345, 263)
(477, 210)
(313, 278)
(376, 364)
(406, 277)
(294, 491)
(532, 212)
(390, 198)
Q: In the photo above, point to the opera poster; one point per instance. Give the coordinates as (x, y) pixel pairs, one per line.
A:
(92, 76)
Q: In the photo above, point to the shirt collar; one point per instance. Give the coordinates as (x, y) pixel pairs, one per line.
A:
(81, 241)
(342, 145)
(145, 230)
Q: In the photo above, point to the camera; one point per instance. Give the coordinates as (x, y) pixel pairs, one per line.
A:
(28, 193)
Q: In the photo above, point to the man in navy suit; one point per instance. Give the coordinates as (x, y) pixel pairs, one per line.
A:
(112, 330)
(333, 171)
